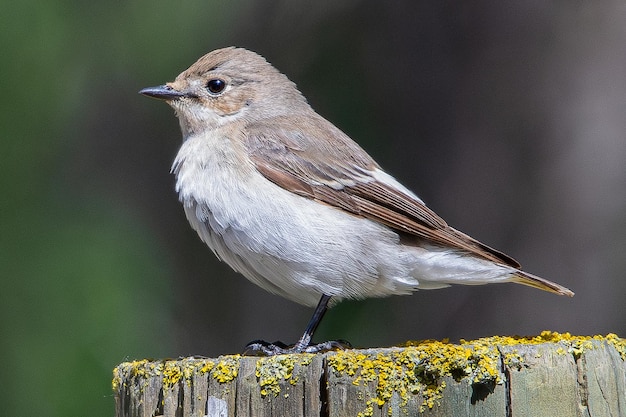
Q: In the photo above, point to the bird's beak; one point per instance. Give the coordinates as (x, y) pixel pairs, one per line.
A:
(162, 92)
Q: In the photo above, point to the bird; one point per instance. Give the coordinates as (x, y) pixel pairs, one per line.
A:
(291, 202)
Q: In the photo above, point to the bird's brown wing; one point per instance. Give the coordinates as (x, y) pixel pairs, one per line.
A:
(325, 165)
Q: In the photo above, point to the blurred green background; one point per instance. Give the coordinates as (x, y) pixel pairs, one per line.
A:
(507, 119)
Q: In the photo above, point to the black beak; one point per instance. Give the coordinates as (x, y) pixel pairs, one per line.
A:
(162, 92)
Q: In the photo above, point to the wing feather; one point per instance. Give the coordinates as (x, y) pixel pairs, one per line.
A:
(329, 167)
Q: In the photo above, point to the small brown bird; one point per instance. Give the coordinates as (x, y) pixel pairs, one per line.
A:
(291, 202)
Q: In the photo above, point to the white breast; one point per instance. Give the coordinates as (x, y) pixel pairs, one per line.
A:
(287, 244)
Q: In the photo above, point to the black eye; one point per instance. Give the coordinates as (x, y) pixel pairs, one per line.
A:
(216, 86)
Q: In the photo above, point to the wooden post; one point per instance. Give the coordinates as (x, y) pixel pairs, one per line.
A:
(548, 375)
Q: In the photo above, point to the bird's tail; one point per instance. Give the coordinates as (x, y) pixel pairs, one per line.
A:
(531, 280)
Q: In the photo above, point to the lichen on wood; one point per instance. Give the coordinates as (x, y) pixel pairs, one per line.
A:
(549, 373)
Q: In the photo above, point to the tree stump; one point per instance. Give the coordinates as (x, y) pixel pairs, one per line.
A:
(547, 375)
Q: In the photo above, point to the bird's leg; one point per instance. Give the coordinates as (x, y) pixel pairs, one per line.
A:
(260, 347)
(318, 314)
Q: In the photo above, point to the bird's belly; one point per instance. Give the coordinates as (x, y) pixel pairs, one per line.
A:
(296, 247)
(300, 248)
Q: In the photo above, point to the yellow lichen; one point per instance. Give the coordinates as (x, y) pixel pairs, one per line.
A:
(175, 370)
(207, 366)
(226, 369)
(420, 367)
(192, 366)
(618, 343)
(117, 379)
(172, 373)
(271, 371)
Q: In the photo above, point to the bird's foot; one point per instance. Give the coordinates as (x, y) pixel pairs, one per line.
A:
(263, 348)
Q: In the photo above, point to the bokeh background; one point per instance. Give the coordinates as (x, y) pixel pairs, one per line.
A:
(508, 119)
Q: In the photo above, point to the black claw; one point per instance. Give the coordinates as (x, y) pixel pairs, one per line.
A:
(328, 346)
(263, 348)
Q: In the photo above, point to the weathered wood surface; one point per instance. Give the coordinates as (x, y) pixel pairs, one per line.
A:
(549, 375)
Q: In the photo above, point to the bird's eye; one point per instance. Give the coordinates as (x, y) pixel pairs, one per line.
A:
(216, 86)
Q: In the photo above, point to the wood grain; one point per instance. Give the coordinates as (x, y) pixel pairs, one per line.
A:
(548, 375)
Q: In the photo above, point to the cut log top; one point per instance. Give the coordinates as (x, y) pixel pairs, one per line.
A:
(547, 375)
